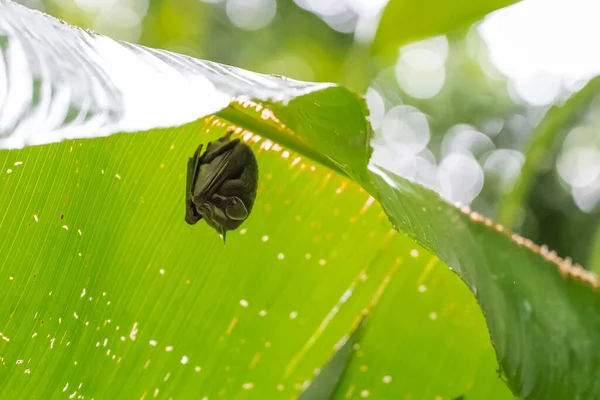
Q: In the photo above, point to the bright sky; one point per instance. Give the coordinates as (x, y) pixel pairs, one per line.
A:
(552, 37)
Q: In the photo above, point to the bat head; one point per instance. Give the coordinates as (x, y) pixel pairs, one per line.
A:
(222, 214)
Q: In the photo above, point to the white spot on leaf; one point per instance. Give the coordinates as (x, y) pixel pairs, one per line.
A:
(134, 331)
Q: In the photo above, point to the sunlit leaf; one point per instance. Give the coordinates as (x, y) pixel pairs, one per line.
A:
(106, 286)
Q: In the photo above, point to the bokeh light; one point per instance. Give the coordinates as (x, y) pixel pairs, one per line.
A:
(588, 197)
(579, 166)
(459, 178)
(347, 16)
(578, 163)
(120, 22)
(503, 167)
(376, 105)
(420, 70)
(464, 138)
(251, 15)
(539, 90)
(407, 126)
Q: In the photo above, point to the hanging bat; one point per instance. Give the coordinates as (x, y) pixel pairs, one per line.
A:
(221, 184)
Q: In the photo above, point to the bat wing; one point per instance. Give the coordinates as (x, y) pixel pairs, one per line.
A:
(191, 215)
(211, 176)
(193, 167)
(189, 181)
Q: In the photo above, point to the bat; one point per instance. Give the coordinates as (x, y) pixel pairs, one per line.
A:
(221, 184)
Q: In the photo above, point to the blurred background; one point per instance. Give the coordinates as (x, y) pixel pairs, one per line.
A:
(456, 113)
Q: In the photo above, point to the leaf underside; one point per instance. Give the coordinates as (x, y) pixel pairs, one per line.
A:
(108, 292)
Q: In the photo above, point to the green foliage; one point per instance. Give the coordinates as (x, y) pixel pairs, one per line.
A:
(108, 293)
(323, 233)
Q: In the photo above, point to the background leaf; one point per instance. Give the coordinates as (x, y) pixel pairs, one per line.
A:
(404, 21)
(544, 141)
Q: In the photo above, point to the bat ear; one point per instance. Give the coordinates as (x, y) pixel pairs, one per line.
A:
(235, 209)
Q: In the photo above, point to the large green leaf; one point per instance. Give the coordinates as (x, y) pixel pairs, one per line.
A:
(109, 291)
(404, 21)
(101, 276)
(174, 312)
